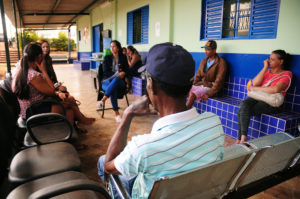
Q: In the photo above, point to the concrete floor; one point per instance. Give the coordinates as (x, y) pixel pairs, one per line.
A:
(80, 85)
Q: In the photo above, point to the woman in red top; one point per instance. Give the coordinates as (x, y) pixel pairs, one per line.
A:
(250, 107)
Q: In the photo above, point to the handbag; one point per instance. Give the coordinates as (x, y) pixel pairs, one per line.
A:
(275, 99)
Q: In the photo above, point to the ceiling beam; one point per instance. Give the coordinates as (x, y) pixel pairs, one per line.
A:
(84, 9)
(51, 23)
(38, 13)
(57, 2)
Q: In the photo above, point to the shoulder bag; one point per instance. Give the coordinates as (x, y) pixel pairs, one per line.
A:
(275, 99)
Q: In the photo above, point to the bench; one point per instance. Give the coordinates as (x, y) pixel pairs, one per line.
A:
(83, 62)
(138, 83)
(226, 108)
(59, 59)
(239, 175)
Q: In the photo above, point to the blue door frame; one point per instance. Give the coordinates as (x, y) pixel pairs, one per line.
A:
(96, 43)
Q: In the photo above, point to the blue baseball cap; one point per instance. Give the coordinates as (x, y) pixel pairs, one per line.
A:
(171, 64)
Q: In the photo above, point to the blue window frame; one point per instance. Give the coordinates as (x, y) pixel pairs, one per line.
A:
(239, 19)
(138, 26)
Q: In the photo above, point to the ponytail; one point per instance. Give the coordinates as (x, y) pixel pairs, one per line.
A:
(22, 87)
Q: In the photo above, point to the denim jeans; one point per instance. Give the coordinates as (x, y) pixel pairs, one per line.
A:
(127, 183)
(111, 90)
(251, 107)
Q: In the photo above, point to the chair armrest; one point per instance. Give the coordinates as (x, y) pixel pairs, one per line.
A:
(47, 118)
(116, 182)
(39, 103)
(69, 186)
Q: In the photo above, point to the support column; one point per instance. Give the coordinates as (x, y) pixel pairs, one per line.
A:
(5, 37)
(16, 25)
(21, 31)
(69, 44)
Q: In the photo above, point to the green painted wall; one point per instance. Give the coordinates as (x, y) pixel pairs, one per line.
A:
(187, 30)
(83, 24)
(104, 14)
(180, 23)
(159, 12)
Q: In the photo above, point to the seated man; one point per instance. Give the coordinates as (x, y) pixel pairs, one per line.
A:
(210, 77)
(180, 140)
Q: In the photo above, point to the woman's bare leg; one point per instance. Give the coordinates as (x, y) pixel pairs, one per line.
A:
(104, 98)
(243, 139)
(77, 114)
(69, 112)
(117, 112)
(191, 100)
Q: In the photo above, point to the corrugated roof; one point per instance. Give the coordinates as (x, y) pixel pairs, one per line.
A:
(49, 14)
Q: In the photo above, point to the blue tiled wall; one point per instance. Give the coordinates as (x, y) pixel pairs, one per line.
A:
(84, 56)
(139, 86)
(83, 62)
(248, 65)
(226, 108)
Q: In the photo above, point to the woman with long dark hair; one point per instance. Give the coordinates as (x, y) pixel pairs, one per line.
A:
(115, 68)
(280, 80)
(29, 85)
(48, 60)
(134, 61)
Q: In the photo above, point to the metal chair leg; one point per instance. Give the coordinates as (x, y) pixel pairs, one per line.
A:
(127, 99)
(103, 109)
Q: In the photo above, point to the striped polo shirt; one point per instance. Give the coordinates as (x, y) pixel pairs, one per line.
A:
(177, 143)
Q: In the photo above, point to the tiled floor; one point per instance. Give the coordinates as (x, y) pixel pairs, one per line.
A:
(80, 85)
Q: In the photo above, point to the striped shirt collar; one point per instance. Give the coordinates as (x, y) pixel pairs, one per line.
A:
(174, 118)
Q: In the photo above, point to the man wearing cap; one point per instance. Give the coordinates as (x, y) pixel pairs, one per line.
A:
(210, 77)
(180, 140)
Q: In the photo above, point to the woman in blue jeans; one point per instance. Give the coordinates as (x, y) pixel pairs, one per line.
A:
(115, 69)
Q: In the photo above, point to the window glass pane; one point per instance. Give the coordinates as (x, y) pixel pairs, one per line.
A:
(229, 16)
(137, 26)
(244, 17)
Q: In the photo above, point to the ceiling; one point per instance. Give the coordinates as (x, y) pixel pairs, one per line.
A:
(49, 14)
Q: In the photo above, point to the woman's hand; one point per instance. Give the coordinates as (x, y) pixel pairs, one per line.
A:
(266, 63)
(42, 65)
(121, 75)
(62, 96)
(62, 88)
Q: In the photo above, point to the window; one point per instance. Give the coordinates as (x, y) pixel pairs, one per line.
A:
(239, 19)
(137, 26)
(79, 35)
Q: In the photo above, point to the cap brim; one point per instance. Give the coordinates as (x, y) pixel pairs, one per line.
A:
(206, 47)
(142, 69)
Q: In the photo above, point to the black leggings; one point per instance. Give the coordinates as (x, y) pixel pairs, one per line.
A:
(251, 107)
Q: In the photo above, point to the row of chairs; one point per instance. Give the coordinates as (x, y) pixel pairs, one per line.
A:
(45, 164)
(244, 171)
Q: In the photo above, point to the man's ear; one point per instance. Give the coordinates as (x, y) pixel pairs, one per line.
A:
(152, 86)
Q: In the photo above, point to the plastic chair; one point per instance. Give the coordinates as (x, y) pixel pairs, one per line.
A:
(69, 184)
(100, 89)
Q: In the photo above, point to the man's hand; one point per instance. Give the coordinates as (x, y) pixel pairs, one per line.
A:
(204, 97)
(140, 107)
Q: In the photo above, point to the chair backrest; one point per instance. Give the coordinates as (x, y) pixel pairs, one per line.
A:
(277, 153)
(9, 97)
(209, 181)
(7, 131)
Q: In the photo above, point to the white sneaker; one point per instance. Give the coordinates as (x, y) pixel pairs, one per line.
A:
(118, 118)
(99, 104)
